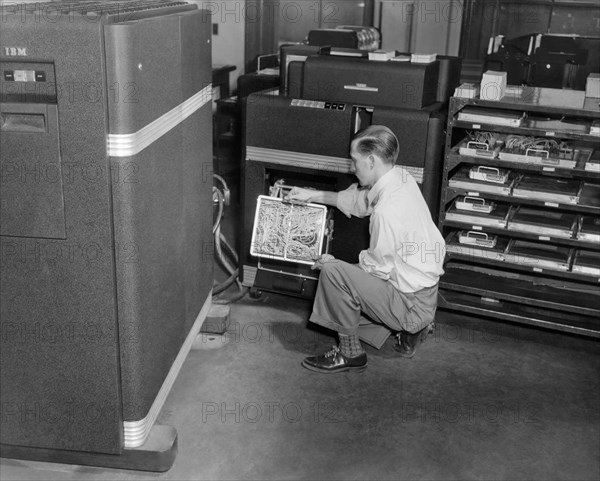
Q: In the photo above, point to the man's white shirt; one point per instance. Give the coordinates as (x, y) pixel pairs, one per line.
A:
(405, 247)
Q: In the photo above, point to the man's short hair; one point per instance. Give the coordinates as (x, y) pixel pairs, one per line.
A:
(378, 140)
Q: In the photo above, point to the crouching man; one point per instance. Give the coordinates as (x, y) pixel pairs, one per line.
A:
(395, 282)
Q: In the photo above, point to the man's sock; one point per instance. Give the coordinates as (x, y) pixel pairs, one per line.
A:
(350, 345)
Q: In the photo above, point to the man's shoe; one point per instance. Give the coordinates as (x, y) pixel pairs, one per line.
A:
(335, 361)
(407, 342)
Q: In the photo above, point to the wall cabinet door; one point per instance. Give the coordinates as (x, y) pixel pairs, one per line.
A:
(421, 26)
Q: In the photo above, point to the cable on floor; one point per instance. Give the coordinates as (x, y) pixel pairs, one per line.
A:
(223, 249)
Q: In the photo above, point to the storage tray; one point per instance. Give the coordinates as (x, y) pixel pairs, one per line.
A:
(539, 256)
(494, 253)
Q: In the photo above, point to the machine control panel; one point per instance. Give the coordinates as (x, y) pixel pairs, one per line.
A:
(24, 76)
(23, 81)
(317, 104)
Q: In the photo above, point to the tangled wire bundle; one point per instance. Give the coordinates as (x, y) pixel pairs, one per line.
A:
(288, 231)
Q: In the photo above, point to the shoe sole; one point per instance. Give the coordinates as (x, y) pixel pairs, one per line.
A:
(327, 371)
(404, 355)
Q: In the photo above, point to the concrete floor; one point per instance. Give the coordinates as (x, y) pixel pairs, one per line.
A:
(470, 405)
(479, 401)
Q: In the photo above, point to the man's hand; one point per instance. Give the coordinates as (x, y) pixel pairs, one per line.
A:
(323, 259)
(298, 194)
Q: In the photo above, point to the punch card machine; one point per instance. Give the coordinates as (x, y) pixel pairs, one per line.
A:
(106, 217)
(300, 136)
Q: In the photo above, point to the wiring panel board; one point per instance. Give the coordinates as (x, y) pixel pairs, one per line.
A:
(288, 231)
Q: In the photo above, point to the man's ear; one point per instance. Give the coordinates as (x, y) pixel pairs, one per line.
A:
(371, 161)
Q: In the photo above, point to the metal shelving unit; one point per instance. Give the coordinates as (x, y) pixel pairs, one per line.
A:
(523, 275)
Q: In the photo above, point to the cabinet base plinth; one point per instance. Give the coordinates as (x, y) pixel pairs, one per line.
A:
(157, 454)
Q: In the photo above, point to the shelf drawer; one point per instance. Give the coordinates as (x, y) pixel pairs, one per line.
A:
(555, 294)
(521, 313)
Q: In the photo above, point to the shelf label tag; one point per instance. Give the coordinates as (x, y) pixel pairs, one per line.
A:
(477, 227)
(490, 299)
(538, 269)
(544, 238)
(550, 134)
(548, 169)
(476, 126)
(550, 204)
(473, 194)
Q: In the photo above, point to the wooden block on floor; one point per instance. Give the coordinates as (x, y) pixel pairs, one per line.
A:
(217, 320)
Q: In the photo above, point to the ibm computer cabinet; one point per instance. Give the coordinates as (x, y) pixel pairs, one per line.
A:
(106, 224)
